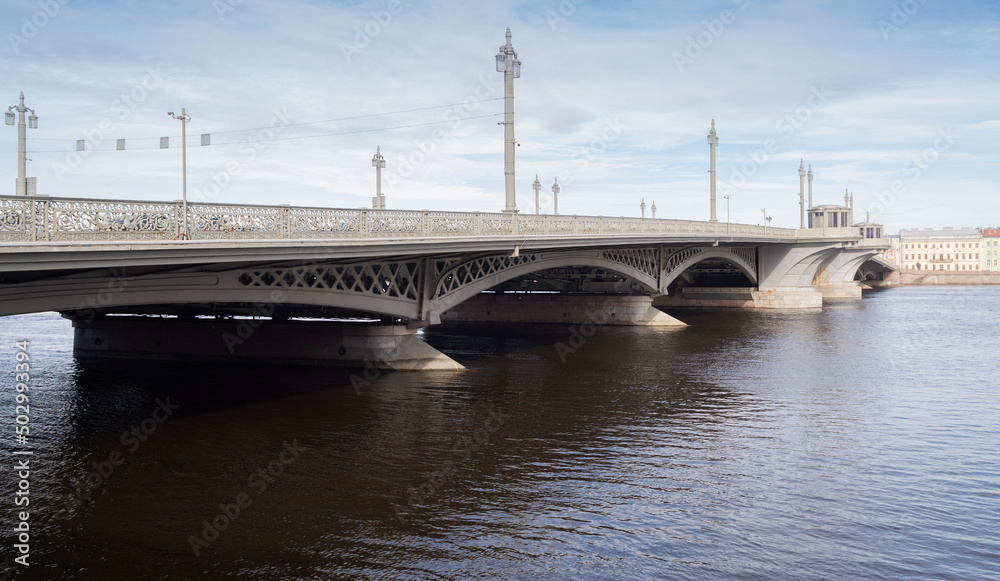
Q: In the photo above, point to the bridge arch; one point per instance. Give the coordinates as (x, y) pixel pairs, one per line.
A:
(461, 281)
(745, 259)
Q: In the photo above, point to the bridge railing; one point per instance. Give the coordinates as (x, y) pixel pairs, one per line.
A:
(43, 218)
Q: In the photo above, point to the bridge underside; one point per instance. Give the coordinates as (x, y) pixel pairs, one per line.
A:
(612, 285)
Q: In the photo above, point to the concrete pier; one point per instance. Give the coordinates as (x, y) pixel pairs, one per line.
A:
(560, 308)
(321, 343)
(788, 298)
(847, 291)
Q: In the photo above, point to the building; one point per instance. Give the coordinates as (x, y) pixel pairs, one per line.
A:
(990, 250)
(944, 249)
(892, 254)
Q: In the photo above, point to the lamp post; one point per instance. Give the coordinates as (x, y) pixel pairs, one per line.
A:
(378, 162)
(653, 209)
(184, 119)
(555, 197)
(643, 207)
(802, 193)
(764, 211)
(727, 213)
(508, 64)
(22, 182)
(537, 186)
(713, 142)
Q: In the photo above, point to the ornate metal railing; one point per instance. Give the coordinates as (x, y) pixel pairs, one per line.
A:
(47, 219)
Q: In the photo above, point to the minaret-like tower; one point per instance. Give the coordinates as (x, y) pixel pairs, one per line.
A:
(810, 174)
(713, 141)
(508, 64)
(537, 186)
(802, 191)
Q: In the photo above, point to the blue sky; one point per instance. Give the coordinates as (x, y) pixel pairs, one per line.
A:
(894, 101)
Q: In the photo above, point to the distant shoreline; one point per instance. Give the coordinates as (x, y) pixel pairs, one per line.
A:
(910, 277)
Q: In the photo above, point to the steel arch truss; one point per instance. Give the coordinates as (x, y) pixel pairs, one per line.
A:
(677, 261)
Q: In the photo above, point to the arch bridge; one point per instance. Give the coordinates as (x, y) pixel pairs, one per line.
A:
(90, 259)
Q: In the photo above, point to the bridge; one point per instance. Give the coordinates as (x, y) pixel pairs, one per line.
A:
(210, 294)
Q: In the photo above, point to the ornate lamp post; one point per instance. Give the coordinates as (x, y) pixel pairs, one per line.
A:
(642, 206)
(508, 64)
(713, 142)
(653, 209)
(555, 197)
(727, 213)
(184, 119)
(22, 181)
(537, 186)
(802, 193)
(378, 162)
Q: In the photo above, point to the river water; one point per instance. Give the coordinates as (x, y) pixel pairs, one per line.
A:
(857, 441)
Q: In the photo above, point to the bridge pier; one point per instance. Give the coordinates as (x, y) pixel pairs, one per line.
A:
(321, 343)
(630, 310)
(788, 298)
(849, 290)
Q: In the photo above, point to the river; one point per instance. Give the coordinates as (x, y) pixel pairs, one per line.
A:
(857, 441)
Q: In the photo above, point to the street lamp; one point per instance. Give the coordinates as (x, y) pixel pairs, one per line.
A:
(727, 212)
(537, 186)
(184, 119)
(22, 182)
(653, 209)
(643, 207)
(508, 64)
(555, 197)
(378, 162)
(764, 211)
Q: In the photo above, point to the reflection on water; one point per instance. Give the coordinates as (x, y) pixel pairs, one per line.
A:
(856, 441)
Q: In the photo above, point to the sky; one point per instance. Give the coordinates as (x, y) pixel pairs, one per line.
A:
(893, 101)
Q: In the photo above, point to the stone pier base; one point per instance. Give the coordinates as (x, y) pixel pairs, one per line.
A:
(847, 291)
(259, 341)
(709, 297)
(788, 298)
(560, 308)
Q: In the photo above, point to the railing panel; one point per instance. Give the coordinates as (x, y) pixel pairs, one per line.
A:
(17, 221)
(313, 223)
(98, 220)
(210, 222)
(452, 224)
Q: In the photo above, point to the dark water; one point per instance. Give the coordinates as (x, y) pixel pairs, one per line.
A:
(860, 441)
